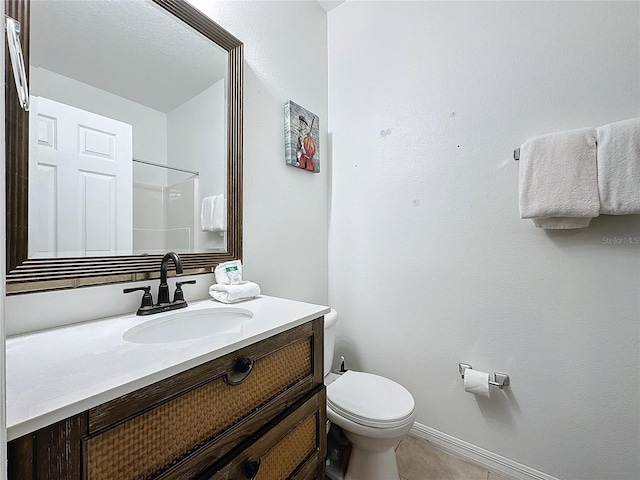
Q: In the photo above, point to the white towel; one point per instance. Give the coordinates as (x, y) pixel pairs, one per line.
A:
(206, 213)
(213, 214)
(558, 179)
(619, 167)
(561, 223)
(234, 293)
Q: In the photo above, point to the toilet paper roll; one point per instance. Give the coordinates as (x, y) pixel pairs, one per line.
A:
(476, 382)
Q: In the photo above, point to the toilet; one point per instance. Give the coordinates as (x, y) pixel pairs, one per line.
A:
(373, 412)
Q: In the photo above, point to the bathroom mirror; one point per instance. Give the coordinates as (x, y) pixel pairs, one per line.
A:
(135, 118)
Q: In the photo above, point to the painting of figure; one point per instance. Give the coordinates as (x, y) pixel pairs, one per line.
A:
(301, 138)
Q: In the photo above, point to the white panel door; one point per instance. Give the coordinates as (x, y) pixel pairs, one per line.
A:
(80, 182)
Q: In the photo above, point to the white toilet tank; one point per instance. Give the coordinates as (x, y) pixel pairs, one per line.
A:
(330, 320)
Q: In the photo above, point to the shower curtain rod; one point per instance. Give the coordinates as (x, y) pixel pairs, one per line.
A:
(192, 172)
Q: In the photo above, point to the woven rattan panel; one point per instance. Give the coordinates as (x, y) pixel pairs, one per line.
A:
(280, 462)
(148, 443)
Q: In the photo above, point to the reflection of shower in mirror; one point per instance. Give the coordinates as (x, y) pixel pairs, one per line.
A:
(165, 216)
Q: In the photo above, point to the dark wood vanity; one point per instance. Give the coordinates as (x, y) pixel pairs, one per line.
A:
(258, 412)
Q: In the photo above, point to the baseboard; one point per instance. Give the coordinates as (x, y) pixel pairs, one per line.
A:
(469, 452)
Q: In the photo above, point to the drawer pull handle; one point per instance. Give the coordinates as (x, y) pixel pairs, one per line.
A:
(251, 470)
(241, 371)
(243, 365)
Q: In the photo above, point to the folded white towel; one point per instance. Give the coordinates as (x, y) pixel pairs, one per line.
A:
(234, 293)
(561, 223)
(213, 214)
(558, 178)
(619, 167)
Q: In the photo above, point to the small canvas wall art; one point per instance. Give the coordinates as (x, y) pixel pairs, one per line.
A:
(301, 136)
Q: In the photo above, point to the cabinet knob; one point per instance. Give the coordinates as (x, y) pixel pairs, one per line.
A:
(243, 365)
(251, 469)
(241, 370)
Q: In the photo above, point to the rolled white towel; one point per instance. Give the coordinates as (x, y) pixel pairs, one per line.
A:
(234, 293)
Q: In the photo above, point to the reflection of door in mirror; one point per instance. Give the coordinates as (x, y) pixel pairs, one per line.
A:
(83, 193)
(80, 194)
(133, 64)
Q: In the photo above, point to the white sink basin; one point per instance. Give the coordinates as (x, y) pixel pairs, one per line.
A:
(188, 325)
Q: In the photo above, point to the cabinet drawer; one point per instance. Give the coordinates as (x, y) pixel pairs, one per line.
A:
(211, 417)
(292, 449)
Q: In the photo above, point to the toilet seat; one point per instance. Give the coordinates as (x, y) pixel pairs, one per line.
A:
(370, 400)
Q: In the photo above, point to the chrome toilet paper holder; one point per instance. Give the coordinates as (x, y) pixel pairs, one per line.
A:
(500, 380)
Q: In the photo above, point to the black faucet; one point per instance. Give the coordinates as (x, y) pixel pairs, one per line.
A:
(163, 289)
(164, 304)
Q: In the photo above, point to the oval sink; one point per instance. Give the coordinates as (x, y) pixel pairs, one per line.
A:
(189, 325)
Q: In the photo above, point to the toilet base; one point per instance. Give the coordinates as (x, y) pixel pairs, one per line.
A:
(368, 465)
(373, 458)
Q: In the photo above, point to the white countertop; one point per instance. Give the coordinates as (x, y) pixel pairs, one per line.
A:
(54, 374)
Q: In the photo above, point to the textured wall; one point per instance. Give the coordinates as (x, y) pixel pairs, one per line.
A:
(430, 264)
(194, 130)
(286, 209)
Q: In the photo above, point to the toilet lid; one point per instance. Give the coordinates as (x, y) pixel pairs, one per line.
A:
(370, 400)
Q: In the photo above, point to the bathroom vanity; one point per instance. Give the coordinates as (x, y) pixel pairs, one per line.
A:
(246, 402)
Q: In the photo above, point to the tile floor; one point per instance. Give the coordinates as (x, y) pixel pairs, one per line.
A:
(421, 460)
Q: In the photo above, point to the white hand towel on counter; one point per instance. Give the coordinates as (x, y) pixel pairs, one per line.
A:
(234, 293)
(213, 214)
(619, 167)
(558, 179)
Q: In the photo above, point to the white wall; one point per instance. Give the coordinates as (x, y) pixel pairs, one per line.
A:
(430, 264)
(195, 141)
(285, 209)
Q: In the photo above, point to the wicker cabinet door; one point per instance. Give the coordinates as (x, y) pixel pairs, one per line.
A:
(292, 449)
(160, 438)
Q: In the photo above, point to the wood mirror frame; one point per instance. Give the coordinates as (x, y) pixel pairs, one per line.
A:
(30, 275)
